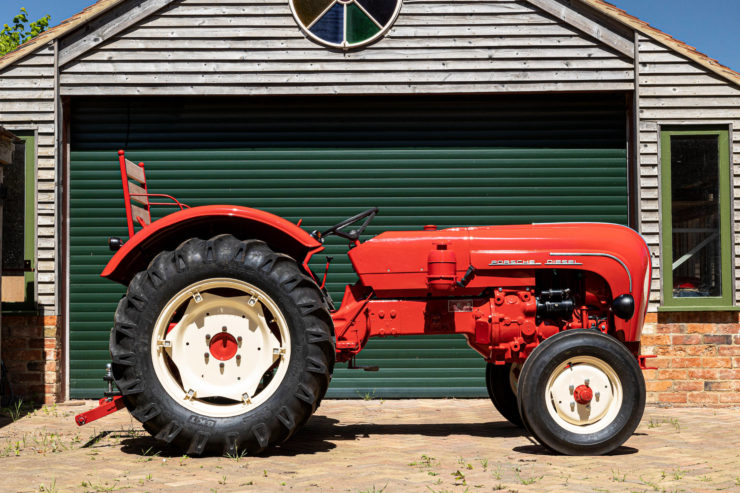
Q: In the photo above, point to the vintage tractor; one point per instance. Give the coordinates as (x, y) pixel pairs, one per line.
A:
(226, 340)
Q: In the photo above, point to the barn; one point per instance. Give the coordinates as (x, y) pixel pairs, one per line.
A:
(465, 112)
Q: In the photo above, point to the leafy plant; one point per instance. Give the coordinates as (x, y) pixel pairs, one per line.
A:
(11, 37)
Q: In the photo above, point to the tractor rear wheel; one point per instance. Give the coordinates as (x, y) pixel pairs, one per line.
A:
(222, 346)
(501, 382)
(581, 392)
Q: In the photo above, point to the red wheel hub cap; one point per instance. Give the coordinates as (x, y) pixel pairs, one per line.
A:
(223, 346)
(583, 394)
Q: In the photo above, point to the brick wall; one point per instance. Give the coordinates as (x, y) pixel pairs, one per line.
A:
(698, 358)
(32, 353)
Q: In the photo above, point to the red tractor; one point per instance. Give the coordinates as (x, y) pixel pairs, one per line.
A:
(226, 340)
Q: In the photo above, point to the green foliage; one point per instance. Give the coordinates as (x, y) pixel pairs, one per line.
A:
(21, 31)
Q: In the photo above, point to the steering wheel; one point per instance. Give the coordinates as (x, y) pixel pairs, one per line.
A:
(352, 235)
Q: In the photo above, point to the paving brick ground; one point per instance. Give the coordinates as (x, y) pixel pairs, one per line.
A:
(391, 446)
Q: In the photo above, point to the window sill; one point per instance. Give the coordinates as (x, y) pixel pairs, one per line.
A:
(662, 309)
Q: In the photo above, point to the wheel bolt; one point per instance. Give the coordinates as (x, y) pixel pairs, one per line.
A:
(239, 339)
(586, 382)
(223, 329)
(221, 365)
(205, 355)
(208, 337)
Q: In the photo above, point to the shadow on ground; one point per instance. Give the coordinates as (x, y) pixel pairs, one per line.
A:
(320, 432)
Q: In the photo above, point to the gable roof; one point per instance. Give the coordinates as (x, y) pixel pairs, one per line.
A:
(64, 27)
(605, 8)
(679, 46)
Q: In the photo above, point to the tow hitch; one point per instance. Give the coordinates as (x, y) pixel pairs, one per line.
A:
(109, 404)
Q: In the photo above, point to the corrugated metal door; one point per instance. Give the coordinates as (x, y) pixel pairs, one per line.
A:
(450, 161)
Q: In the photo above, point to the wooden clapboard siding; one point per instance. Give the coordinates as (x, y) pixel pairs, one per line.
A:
(675, 90)
(27, 103)
(247, 47)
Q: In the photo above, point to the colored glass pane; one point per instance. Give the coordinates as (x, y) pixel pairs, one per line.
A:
(359, 26)
(308, 10)
(330, 27)
(381, 10)
(345, 23)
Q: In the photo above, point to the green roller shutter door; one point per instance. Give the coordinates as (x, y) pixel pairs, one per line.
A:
(450, 161)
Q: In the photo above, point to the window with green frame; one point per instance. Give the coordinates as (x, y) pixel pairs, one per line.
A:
(696, 213)
(18, 233)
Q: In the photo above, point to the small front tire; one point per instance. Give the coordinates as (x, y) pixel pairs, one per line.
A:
(581, 392)
(501, 383)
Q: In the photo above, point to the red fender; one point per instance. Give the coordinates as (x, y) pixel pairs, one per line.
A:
(204, 222)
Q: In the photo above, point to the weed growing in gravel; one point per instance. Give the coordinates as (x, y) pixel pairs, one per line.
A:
(678, 474)
(237, 455)
(375, 490)
(14, 410)
(52, 488)
(484, 464)
(497, 474)
(528, 480)
(424, 461)
(705, 479)
(103, 487)
(618, 477)
(459, 478)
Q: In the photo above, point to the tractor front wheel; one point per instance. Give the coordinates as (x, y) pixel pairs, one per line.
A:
(222, 346)
(501, 382)
(581, 392)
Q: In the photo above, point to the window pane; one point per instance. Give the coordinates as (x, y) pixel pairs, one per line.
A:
(697, 266)
(14, 217)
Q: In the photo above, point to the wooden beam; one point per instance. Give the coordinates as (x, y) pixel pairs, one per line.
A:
(123, 17)
(586, 25)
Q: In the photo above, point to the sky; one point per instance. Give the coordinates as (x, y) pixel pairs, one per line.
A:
(712, 26)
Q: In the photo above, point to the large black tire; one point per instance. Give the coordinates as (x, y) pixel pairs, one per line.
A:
(307, 372)
(498, 384)
(559, 367)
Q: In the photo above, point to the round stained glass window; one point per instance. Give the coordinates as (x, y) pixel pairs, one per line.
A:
(345, 24)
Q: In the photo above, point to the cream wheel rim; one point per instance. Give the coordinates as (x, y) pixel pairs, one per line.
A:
(221, 347)
(605, 389)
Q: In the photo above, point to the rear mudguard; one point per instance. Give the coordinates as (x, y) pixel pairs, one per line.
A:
(205, 222)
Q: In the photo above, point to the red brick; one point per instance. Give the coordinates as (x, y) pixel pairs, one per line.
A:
(687, 362)
(29, 355)
(651, 318)
(50, 343)
(705, 374)
(671, 329)
(736, 362)
(36, 343)
(703, 398)
(650, 374)
(674, 397)
(717, 339)
(660, 362)
(27, 378)
(727, 329)
(736, 340)
(658, 385)
(723, 351)
(700, 328)
(724, 385)
(669, 351)
(700, 350)
(689, 386)
(716, 362)
(686, 339)
(15, 343)
(727, 375)
(672, 374)
(50, 366)
(729, 397)
(49, 320)
(656, 340)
